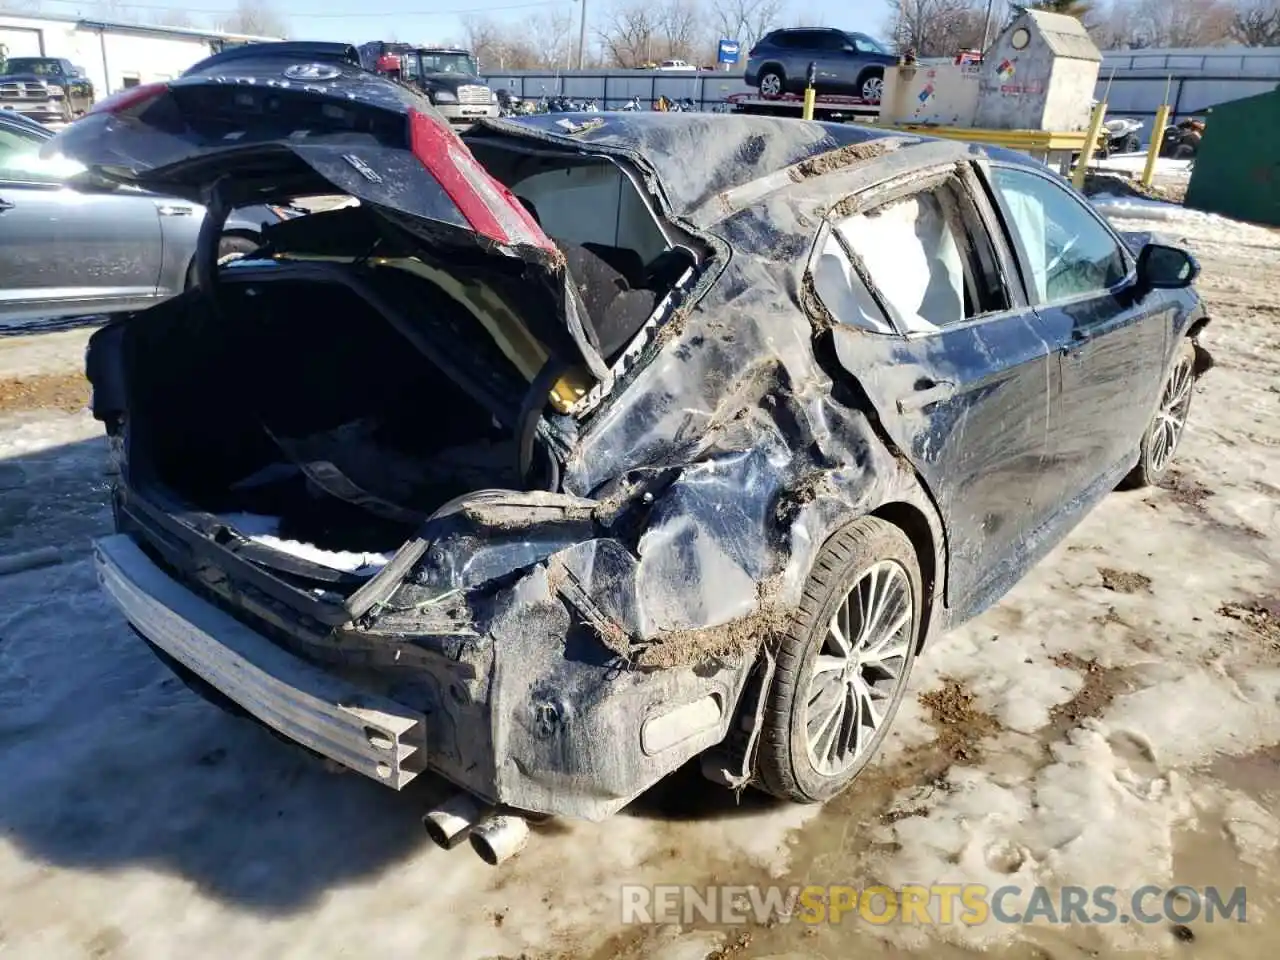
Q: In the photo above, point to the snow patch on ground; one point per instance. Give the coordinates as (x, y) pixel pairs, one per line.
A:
(27, 433)
(1194, 717)
(1137, 163)
(1194, 224)
(1098, 814)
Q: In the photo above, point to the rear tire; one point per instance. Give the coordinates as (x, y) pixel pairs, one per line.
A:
(773, 82)
(1160, 441)
(842, 664)
(1131, 144)
(871, 85)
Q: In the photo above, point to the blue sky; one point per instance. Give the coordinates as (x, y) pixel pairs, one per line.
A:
(414, 20)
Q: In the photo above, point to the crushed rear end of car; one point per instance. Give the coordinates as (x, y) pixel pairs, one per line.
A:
(338, 460)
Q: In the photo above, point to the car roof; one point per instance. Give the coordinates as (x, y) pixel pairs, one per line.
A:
(697, 155)
(300, 50)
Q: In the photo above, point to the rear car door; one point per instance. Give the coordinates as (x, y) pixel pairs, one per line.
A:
(953, 361)
(1110, 340)
(65, 252)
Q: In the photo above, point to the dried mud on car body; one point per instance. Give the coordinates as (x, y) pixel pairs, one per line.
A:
(192, 822)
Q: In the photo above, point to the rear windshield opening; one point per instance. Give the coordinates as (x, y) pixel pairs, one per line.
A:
(623, 258)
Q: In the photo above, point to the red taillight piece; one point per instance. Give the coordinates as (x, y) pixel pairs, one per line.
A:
(129, 98)
(490, 208)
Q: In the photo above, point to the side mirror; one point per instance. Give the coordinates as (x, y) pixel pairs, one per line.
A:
(849, 48)
(1161, 267)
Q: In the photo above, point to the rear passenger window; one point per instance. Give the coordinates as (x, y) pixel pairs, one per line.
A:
(1070, 254)
(914, 258)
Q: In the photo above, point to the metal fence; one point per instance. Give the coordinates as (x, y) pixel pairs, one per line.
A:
(1196, 79)
(1133, 81)
(613, 88)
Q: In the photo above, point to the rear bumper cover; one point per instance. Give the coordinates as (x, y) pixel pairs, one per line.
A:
(529, 713)
(368, 733)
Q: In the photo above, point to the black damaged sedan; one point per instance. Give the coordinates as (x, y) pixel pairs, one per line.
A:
(593, 443)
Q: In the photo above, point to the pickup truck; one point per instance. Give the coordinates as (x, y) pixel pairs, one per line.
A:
(45, 88)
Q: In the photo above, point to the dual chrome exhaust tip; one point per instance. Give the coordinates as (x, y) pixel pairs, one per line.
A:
(495, 836)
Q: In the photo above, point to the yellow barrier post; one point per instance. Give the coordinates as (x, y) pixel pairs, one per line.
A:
(1090, 144)
(1157, 136)
(810, 94)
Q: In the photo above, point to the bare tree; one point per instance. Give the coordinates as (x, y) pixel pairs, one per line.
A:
(1185, 23)
(1082, 10)
(257, 18)
(549, 33)
(935, 28)
(628, 33)
(545, 39)
(745, 20)
(1117, 28)
(1256, 23)
(678, 24)
(486, 40)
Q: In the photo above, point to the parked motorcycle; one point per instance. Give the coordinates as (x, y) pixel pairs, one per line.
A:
(510, 105)
(631, 106)
(666, 105)
(591, 106)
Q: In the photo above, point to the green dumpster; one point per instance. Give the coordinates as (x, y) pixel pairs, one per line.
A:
(1237, 168)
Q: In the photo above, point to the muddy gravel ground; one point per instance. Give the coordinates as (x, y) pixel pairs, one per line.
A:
(1113, 721)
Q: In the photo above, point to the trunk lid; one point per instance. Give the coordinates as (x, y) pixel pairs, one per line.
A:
(267, 126)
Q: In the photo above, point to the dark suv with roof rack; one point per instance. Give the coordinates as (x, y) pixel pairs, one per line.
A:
(847, 63)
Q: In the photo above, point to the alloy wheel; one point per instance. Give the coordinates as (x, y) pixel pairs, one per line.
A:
(859, 667)
(1171, 416)
(770, 85)
(873, 89)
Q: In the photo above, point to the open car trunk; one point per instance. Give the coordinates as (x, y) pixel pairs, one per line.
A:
(294, 420)
(292, 408)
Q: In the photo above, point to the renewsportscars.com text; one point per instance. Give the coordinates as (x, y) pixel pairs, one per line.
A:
(934, 904)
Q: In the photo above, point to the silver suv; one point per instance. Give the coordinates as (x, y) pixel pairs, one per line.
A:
(847, 63)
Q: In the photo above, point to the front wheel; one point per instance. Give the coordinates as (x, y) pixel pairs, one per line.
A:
(1161, 438)
(842, 664)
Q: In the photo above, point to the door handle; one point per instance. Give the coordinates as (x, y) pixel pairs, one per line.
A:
(5, 204)
(173, 210)
(928, 392)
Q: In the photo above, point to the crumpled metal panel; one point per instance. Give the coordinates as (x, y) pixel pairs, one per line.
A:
(717, 467)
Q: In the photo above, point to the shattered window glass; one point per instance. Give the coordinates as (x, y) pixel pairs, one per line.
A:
(1069, 252)
(909, 249)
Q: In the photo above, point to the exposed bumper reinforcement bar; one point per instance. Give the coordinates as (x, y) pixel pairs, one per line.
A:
(363, 731)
